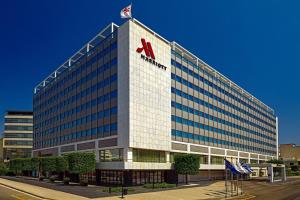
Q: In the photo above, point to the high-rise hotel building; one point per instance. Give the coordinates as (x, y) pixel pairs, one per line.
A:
(136, 100)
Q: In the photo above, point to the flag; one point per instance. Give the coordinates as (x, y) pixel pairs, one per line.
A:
(231, 167)
(126, 12)
(247, 167)
(242, 169)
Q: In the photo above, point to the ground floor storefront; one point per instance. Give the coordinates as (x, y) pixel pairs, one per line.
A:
(141, 177)
(134, 177)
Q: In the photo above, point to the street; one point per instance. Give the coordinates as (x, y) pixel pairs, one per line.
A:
(276, 191)
(11, 194)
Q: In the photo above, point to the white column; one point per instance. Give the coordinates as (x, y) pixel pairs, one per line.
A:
(209, 156)
(168, 157)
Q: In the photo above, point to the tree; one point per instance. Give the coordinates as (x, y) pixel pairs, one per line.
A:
(187, 164)
(62, 164)
(3, 168)
(16, 165)
(81, 163)
(48, 164)
(26, 164)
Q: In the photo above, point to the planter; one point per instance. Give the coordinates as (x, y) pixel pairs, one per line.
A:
(83, 183)
(66, 180)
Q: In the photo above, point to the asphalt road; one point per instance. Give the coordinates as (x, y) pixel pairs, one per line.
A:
(275, 191)
(11, 194)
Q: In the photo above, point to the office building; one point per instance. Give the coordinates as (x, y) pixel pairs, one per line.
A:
(17, 137)
(1, 150)
(137, 99)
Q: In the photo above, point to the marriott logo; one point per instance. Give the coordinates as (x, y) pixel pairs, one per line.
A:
(150, 57)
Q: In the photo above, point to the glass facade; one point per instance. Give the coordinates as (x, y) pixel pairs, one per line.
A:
(142, 155)
(207, 110)
(81, 103)
(109, 155)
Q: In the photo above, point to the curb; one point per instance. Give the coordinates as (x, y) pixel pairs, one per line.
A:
(38, 196)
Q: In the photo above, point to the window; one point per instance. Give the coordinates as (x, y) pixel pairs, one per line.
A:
(203, 159)
(15, 120)
(217, 160)
(140, 155)
(18, 142)
(111, 155)
(18, 135)
(19, 128)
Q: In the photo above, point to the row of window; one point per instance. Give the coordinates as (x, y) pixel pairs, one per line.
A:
(17, 135)
(80, 95)
(211, 95)
(88, 105)
(208, 105)
(199, 68)
(18, 142)
(142, 155)
(217, 130)
(99, 132)
(101, 52)
(233, 145)
(197, 100)
(219, 120)
(111, 155)
(18, 128)
(18, 120)
(212, 85)
(83, 120)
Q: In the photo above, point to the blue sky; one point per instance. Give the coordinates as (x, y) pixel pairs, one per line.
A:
(254, 43)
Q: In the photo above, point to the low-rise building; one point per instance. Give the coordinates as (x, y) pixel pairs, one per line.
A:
(290, 154)
(1, 149)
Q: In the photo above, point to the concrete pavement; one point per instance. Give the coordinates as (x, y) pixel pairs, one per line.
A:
(11, 194)
(40, 191)
(214, 190)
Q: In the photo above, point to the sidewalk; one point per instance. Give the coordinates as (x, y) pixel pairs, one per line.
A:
(214, 190)
(40, 191)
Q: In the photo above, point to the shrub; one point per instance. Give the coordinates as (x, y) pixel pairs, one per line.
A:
(275, 161)
(41, 178)
(295, 168)
(66, 180)
(159, 185)
(83, 183)
(52, 178)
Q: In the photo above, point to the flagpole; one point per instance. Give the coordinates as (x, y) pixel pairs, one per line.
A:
(231, 184)
(237, 184)
(226, 182)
